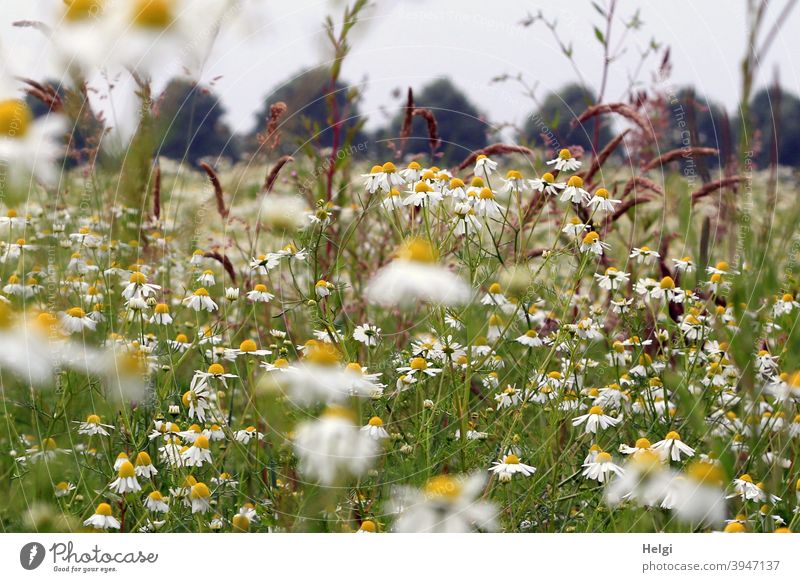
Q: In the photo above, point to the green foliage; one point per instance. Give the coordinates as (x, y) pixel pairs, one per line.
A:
(194, 128)
(554, 120)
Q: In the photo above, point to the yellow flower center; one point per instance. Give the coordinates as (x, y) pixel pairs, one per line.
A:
(76, 312)
(93, 419)
(603, 457)
(418, 250)
(162, 308)
(369, 526)
(375, 421)
(564, 154)
(82, 9)
(596, 410)
(591, 238)
(667, 283)
(602, 193)
(103, 509)
(486, 194)
(548, 177)
(156, 496)
(389, 168)
(138, 278)
(575, 182)
(418, 364)
(642, 443)
(672, 435)
(152, 13)
(201, 292)
(443, 486)
(15, 118)
(511, 460)
(143, 459)
(201, 442)
(248, 345)
(200, 491)
(216, 369)
(126, 470)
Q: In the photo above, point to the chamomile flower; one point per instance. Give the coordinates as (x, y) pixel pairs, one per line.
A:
(672, 447)
(565, 162)
(155, 502)
(200, 498)
(332, 447)
(595, 420)
(374, 428)
(602, 201)
(75, 320)
(547, 184)
(574, 191)
(591, 243)
(126, 481)
(601, 468)
(367, 334)
(511, 465)
(644, 255)
(200, 301)
(198, 454)
(248, 434)
(414, 276)
(484, 166)
(103, 518)
(93, 426)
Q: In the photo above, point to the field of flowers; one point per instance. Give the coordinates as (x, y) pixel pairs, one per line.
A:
(531, 340)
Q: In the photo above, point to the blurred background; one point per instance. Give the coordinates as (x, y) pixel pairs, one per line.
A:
(502, 71)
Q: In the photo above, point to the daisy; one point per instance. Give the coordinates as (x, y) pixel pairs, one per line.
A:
(575, 227)
(92, 426)
(671, 446)
(601, 468)
(423, 194)
(155, 502)
(666, 289)
(721, 268)
(613, 279)
(785, 305)
(196, 399)
(323, 288)
(602, 202)
(594, 420)
(387, 178)
(513, 182)
(574, 191)
(332, 447)
(684, 265)
(126, 479)
(197, 454)
(565, 162)
(102, 518)
(139, 287)
(244, 436)
(412, 172)
(419, 365)
(446, 504)
(259, 294)
(144, 466)
(75, 320)
(486, 205)
(367, 334)
(374, 428)
(161, 315)
(644, 255)
(206, 278)
(200, 498)
(484, 166)
(63, 488)
(29, 147)
(509, 466)
(199, 301)
(547, 184)
(414, 276)
(592, 243)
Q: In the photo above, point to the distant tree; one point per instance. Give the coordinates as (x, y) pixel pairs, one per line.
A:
(307, 115)
(191, 118)
(554, 118)
(773, 111)
(461, 126)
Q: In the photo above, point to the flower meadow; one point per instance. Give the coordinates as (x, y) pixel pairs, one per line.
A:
(538, 339)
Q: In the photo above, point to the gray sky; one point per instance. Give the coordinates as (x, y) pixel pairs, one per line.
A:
(409, 42)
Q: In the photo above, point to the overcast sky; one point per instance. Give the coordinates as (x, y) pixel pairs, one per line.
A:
(409, 42)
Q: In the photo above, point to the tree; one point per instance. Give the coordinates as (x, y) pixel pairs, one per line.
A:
(552, 122)
(461, 127)
(772, 110)
(307, 117)
(191, 119)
